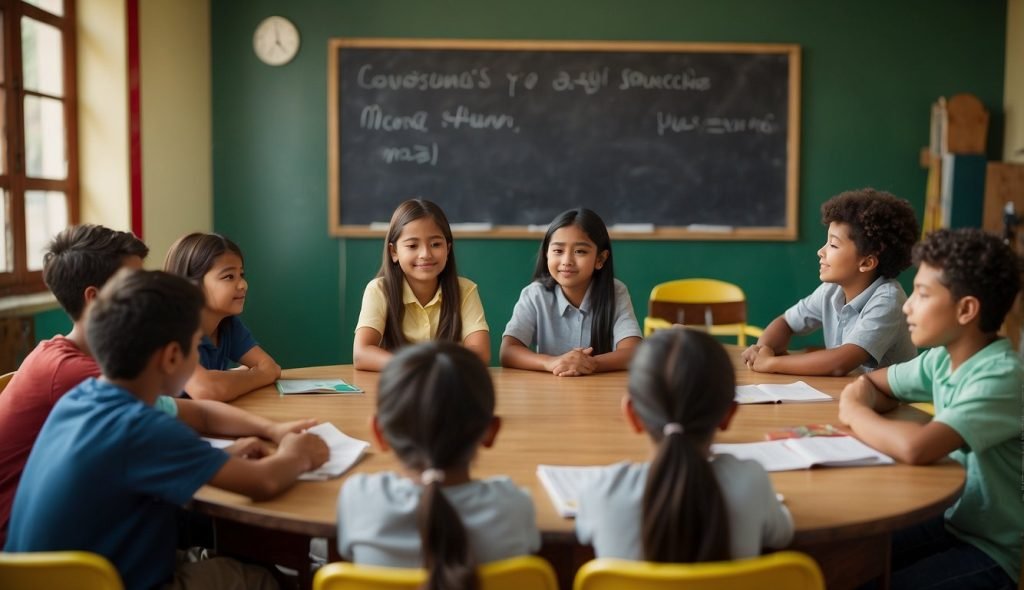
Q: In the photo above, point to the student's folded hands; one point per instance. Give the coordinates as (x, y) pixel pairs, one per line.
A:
(575, 363)
(757, 358)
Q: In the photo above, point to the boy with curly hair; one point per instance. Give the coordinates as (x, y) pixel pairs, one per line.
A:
(966, 283)
(870, 235)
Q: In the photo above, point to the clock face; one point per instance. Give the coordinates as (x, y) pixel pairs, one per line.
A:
(276, 41)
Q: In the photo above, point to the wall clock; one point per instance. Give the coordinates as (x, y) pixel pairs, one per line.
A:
(276, 41)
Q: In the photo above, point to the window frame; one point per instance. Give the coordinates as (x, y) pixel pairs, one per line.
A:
(14, 178)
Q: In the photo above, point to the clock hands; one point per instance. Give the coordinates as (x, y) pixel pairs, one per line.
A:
(277, 37)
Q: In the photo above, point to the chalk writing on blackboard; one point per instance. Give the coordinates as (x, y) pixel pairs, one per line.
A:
(506, 134)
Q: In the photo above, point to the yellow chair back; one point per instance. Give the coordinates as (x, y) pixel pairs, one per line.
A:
(58, 570)
(5, 379)
(527, 572)
(786, 569)
(925, 407)
(718, 306)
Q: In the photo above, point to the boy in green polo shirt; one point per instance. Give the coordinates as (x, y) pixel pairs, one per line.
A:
(965, 284)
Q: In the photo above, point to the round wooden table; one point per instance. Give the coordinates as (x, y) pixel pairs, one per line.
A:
(843, 516)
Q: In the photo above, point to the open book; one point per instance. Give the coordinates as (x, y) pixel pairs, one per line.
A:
(563, 485)
(345, 451)
(774, 393)
(315, 386)
(804, 453)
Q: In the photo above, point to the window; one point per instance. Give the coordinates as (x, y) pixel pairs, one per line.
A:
(39, 144)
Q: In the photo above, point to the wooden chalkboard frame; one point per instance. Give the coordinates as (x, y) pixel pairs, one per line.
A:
(792, 51)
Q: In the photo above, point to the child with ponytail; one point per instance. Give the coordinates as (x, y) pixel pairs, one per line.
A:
(685, 505)
(435, 408)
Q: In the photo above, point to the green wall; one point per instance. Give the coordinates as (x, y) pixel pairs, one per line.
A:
(871, 70)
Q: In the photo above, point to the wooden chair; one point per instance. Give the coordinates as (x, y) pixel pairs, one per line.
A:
(58, 570)
(527, 572)
(718, 306)
(786, 569)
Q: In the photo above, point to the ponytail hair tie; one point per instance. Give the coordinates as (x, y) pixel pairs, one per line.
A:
(430, 476)
(672, 428)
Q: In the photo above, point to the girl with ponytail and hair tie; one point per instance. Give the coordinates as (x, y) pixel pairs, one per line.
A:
(685, 505)
(435, 408)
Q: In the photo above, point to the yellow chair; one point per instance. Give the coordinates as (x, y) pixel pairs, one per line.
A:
(786, 569)
(925, 407)
(516, 573)
(59, 570)
(718, 306)
(5, 379)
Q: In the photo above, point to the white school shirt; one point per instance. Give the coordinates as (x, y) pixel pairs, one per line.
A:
(610, 515)
(874, 320)
(377, 519)
(547, 319)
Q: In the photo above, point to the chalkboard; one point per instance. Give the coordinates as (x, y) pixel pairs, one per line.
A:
(663, 140)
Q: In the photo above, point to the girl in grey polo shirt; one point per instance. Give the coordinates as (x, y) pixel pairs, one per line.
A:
(575, 312)
(435, 408)
(685, 505)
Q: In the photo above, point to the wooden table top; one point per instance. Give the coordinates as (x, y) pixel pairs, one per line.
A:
(577, 421)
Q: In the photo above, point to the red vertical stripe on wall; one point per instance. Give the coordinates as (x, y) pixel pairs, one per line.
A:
(134, 117)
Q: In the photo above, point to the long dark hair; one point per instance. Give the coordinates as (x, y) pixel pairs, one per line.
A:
(602, 282)
(682, 377)
(450, 324)
(435, 404)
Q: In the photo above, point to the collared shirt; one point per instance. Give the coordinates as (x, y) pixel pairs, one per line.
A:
(419, 323)
(610, 513)
(549, 320)
(873, 321)
(981, 401)
(377, 519)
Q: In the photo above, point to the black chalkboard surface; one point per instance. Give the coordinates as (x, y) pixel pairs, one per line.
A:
(661, 139)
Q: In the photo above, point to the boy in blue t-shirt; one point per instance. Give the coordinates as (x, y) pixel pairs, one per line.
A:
(109, 472)
(857, 305)
(966, 283)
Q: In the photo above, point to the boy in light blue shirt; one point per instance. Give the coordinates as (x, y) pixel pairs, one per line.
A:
(870, 234)
(966, 283)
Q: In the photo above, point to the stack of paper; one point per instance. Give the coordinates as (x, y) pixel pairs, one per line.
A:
(775, 393)
(345, 451)
(564, 484)
(804, 453)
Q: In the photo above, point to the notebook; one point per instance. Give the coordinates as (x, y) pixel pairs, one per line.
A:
(776, 393)
(345, 451)
(315, 387)
(804, 453)
(563, 485)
